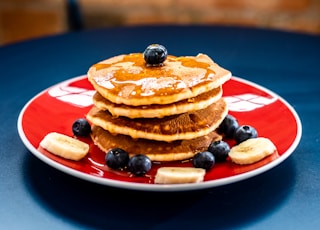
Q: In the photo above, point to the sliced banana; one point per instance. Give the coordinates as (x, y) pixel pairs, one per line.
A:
(64, 146)
(252, 150)
(179, 175)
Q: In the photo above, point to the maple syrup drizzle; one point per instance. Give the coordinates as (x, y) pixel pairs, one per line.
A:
(131, 77)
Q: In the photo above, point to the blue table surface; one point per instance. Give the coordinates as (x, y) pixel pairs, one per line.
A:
(34, 195)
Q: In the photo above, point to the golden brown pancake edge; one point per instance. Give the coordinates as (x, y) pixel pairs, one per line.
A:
(155, 150)
(150, 111)
(124, 81)
(170, 128)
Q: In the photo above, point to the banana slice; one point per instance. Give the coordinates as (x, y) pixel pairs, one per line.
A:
(252, 150)
(64, 146)
(179, 175)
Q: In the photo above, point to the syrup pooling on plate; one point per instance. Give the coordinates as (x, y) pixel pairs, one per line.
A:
(130, 72)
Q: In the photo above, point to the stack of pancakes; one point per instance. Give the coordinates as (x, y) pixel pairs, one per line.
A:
(168, 112)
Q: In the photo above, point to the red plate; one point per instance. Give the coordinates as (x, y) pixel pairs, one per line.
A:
(56, 108)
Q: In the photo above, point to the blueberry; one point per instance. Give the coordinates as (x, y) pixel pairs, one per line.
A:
(117, 158)
(81, 127)
(228, 126)
(220, 150)
(245, 132)
(139, 164)
(155, 54)
(204, 160)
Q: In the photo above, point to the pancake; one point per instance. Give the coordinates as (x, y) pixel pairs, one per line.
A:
(149, 111)
(155, 150)
(126, 79)
(170, 128)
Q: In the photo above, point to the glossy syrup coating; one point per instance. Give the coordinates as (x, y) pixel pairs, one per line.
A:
(127, 79)
(132, 73)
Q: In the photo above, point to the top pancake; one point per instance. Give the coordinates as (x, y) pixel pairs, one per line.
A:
(126, 79)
